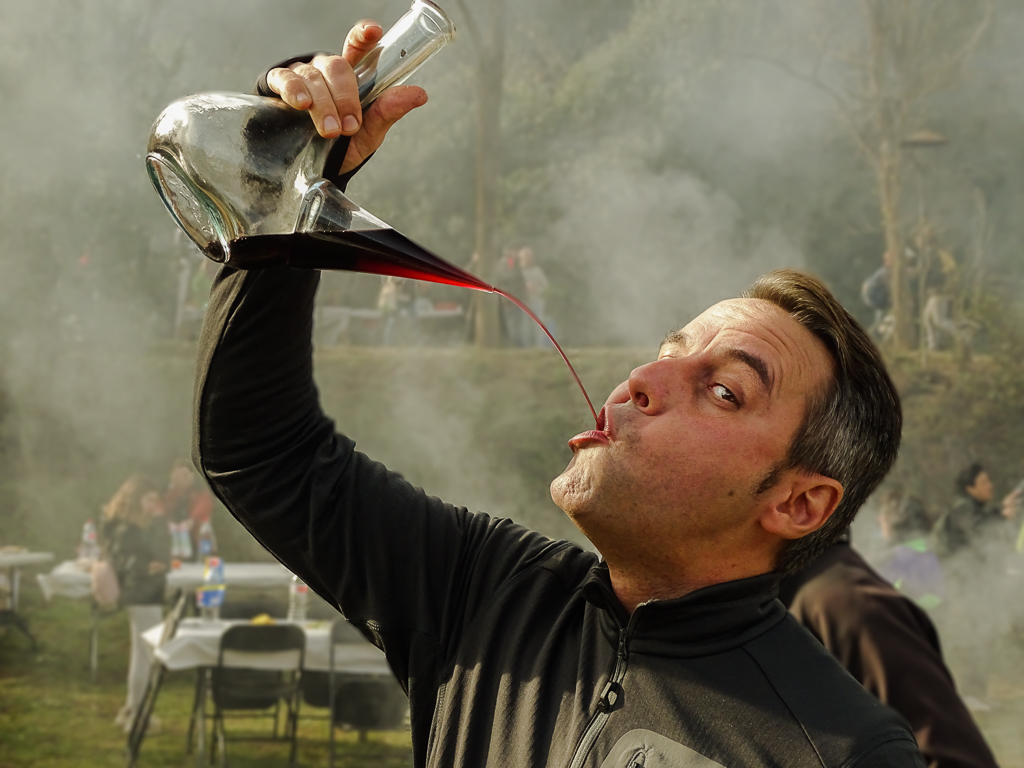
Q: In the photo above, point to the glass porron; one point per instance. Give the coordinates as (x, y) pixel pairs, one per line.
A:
(231, 165)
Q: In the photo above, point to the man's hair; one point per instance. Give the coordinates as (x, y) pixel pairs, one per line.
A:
(968, 476)
(852, 426)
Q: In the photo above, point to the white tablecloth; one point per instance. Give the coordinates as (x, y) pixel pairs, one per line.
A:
(18, 559)
(196, 644)
(71, 578)
(10, 562)
(67, 579)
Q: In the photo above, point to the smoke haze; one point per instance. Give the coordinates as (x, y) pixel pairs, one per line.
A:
(658, 156)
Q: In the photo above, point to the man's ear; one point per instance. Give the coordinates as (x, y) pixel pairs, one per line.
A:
(800, 504)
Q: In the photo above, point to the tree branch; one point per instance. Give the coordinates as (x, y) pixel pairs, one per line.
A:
(840, 102)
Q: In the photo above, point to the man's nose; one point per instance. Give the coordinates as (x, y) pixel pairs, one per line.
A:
(648, 386)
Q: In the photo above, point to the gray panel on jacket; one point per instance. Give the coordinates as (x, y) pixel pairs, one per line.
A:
(641, 748)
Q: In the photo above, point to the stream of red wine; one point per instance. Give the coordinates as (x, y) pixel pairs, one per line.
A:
(375, 251)
(558, 346)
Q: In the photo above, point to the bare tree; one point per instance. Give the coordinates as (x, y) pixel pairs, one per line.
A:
(486, 25)
(879, 71)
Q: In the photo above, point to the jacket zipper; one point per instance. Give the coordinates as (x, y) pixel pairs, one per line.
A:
(606, 702)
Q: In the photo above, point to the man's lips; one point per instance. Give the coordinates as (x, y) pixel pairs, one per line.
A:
(599, 436)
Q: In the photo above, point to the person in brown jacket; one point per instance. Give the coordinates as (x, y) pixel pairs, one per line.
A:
(890, 646)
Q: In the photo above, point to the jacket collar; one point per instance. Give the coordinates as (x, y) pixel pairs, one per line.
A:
(711, 620)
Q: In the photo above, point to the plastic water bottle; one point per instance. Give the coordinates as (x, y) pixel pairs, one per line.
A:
(89, 547)
(210, 596)
(207, 541)
(181, 542)
(298, 599)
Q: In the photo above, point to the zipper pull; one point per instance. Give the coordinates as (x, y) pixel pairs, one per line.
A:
(610, 696)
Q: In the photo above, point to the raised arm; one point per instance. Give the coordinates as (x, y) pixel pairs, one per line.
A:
(408, 568)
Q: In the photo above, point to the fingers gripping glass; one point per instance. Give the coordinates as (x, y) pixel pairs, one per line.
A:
(231, 167)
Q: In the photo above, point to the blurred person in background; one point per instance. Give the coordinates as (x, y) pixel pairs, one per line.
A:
(397, 311)
(974, 540)
(509, 278)
(973, 513)
(387, 305)
(910, 565)
(136, 540)
(875, 291)
(1016, 507)
(890, 646)
(536, 284)
(184, 502)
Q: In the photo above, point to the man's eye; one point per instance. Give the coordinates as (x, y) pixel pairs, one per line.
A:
(724, 393)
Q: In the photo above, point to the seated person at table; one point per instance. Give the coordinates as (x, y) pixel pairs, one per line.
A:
(135, 538)
(184, 502)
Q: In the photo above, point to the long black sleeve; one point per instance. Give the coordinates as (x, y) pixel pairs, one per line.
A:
(407, 568)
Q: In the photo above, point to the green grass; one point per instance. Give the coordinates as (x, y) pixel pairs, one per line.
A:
(52, 716)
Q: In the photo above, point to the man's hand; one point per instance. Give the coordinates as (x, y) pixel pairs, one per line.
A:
(327, 88)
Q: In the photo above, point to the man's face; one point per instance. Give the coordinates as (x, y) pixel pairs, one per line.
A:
(687, 440)
(982, 490)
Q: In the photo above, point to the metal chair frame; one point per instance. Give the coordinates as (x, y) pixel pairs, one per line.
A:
(140, 721)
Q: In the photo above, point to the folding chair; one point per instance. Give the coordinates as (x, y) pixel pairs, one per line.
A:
(258, 668)
(232, 609)
(140, 722)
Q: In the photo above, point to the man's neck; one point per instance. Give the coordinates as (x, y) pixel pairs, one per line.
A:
(633, 587)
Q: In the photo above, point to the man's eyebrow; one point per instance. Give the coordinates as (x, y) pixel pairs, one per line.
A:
(752, 361)
(675, 337)
(755, 363)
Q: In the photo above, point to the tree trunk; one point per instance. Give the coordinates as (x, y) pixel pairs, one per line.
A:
(489, 79)
(889, 193)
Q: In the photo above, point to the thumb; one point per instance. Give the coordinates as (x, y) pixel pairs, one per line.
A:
(390, 107)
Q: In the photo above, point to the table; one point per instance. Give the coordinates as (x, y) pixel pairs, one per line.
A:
(71, 578)
(197, 642)
(12, 562)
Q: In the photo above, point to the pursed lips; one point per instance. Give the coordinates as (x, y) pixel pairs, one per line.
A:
(600, 436)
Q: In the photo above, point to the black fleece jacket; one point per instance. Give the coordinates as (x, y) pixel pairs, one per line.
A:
(513, 648)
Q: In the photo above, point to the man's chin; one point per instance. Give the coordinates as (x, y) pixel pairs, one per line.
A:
(571, 489)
